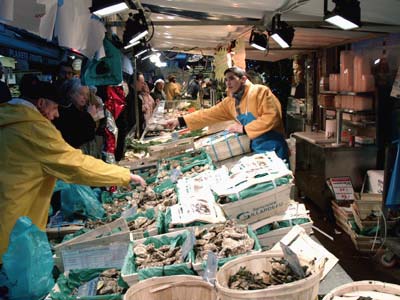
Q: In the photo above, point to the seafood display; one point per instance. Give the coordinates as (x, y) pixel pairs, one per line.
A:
(146, 198)
(147, 256)
(225, 240)
(280, 273)
(107, 283)
(118, 205)
(142, 223)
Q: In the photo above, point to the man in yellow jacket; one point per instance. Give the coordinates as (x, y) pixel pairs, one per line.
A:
(33, 155)
(172, 89)
(255, 108)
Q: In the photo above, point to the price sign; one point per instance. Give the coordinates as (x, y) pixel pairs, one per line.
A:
(343, 188)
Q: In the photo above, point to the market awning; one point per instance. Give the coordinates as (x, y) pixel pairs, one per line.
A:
(203, 25)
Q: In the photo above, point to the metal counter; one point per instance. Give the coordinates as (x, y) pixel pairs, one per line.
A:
(318, 159)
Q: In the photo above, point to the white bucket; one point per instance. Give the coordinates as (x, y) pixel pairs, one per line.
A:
(366, 288)
(304, 289)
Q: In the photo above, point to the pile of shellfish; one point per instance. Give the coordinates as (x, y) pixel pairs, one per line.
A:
(147, 198)
(280, 273)
(142, 223)
(224, 240)
(147, 256)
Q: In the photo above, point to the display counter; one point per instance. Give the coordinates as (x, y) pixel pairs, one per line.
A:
(318, 159)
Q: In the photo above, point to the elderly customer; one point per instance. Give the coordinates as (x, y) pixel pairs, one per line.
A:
(157, 92)
(5, 94)
(35, 155)
(77, 122)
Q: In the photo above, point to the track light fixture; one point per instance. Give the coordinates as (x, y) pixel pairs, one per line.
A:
(103, 8)
(136, 28)
(346, 15)
(281, 32)
(258, 40)
(141, 49)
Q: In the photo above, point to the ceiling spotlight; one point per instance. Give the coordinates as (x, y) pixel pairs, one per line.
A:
(281, 32)
(346, 14)
(131, 45)
(141, 49)
(258, 40)
(103, 8)
(135, 28)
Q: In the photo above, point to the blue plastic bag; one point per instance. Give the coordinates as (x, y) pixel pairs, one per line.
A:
(28, 262)
(80, 200)
(393, 195)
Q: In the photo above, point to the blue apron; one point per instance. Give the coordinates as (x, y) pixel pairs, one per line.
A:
(269, 141)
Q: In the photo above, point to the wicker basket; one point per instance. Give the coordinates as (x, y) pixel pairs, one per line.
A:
(304, 289)
(179, 287)
(373, 289)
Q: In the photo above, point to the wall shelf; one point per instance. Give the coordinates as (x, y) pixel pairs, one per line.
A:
(346, 93)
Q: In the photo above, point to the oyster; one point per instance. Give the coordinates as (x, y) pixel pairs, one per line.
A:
(225, 240)
(149, 256)
(280, 273)
(142, 223)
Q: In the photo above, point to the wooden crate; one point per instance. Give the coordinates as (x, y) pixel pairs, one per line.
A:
(231, 146)
(269, 239)
(96, 233)
(97, 253)
(259, 207)
(342, 216)
(171, 148)
(365, 243)
(60, 232)
(368, 203)
(133, 278)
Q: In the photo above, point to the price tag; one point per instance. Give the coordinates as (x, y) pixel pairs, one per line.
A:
(211, 267)
(293, 260)
(89, 288)
(342, 188)
(188, 244)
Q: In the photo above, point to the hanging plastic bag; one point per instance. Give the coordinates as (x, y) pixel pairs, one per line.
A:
(107, 70)
(393, 195)
(80, 200)
(28, 262)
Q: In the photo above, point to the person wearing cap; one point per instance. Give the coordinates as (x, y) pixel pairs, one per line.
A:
(172, 89)
(5, 94)
(33, 155)
(255, 109)
(157, 92)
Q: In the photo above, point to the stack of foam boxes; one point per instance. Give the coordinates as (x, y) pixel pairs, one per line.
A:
(355, 76)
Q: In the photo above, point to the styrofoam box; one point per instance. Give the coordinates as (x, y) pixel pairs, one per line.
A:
(375, 181)
(259, 207)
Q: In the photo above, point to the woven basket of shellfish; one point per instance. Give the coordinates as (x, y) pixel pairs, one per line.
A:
(96, 284)
(228, 241)
(268, 276)
(163, 255)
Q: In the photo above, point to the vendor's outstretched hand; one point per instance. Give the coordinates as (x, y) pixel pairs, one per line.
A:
(138, 180)
(237, 127)
(172, 123)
